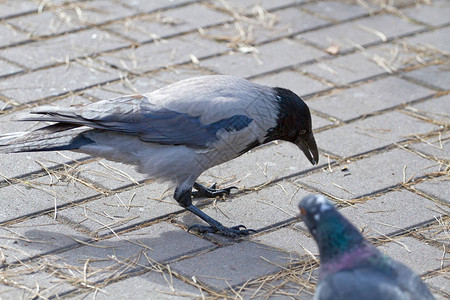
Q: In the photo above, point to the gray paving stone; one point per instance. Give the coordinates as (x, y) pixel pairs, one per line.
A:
(166, 23)
(439, 38)
(369, 175)
(153, 285)
(436, 13)
(40, 194)
(110, 175)
(417, 255)
(441, 282)
(7, 68)
(289, 240)
(437, 76)
(10, 35)
(362, 32)
(295, 81)
(377, 131)
(153, 5)
(434, 109)
(163, 53)
(338, 11)
(270, 57)
(143, 84)
(129, 252)
(110, 214)
(238, 264)
(62, 49)
(32, 281)
(45, 23)
(436, 147)
(437, 232)
(10, 8)
(260, 166)
(250, 6)
(345, 69)
(256, 210)
(438, 188)
(391, 213)
(56, 81)
(36, 237)
(296, 20)
(368, 98)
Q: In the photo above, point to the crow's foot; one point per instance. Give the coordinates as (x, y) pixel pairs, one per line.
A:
(210, 192)
(233, 232)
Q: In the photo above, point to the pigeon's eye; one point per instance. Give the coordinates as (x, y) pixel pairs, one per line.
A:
(303, 131)
(302, 211)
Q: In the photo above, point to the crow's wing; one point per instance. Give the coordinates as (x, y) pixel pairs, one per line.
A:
(136, 115)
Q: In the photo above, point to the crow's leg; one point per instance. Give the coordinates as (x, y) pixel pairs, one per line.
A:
(210, 192)
(184, 198)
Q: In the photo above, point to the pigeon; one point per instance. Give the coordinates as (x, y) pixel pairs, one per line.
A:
(351, 268)
(175, 133)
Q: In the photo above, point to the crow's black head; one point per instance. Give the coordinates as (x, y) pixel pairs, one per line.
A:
(294, 124)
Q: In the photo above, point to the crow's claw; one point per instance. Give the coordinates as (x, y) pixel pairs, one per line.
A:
(210, 192)
(233, 232)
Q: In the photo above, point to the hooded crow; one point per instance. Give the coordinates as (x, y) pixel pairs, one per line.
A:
(177, 132)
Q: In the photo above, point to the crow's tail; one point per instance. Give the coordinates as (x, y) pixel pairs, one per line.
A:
(50, 138)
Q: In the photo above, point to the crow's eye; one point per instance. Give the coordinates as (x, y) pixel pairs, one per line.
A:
(303, 131)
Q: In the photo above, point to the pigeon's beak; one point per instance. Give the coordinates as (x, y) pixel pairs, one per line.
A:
(307, 144)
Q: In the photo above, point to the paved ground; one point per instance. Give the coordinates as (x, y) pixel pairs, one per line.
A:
(375, 74)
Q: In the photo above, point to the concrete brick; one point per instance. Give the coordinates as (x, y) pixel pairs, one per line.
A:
(439, 188)
(391, 213)
(378, 131)
(166, 23)
(435, 109)
(338, 11)
(250, 6)
(32, 281)
(10, 35)
(368, 175)
(437, 76)
(417, 255)
(260, 166)
(270, 57)
(238, 264)
(368, 98)
(295, 20)
(362, 32)
(7, 68)
(110, 214)
(434, 14)
(436, 147)
(256, 210)
(440, 282)
(40, 194)
(295, 81)
(36, 237)
(162, 54)
(111, 175)
(345, 69)
(56, 81)
(153, 5)
(61, 49)
(143, 84)
(45, 23)
(155, 285)
(129, 252)
(11, 8)
(289, 240)
(439, 38)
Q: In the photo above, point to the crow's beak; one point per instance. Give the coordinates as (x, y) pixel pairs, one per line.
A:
(307, 144)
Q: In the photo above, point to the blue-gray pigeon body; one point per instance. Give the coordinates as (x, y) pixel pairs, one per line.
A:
(350, 267)
(177, 132)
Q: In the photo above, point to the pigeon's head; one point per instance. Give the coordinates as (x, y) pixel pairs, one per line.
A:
(333, 233)
(313, 210)
(294, 124)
